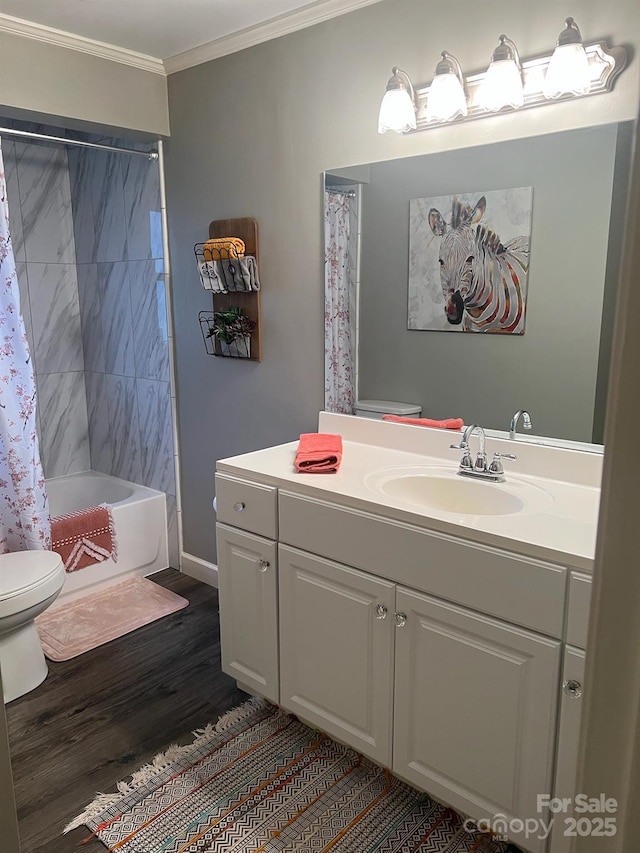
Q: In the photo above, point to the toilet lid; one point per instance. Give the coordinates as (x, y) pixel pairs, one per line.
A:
(388, 407)
(23, 570)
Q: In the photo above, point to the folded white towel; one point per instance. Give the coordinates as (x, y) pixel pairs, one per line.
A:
(211, 276)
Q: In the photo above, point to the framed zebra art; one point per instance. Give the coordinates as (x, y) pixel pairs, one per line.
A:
(469, 261)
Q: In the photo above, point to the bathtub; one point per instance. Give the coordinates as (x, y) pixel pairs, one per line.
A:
(140, 521)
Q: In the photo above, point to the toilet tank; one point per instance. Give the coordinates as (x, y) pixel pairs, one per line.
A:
(377, 408)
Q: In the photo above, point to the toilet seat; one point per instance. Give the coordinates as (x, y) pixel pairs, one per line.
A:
(27, 578)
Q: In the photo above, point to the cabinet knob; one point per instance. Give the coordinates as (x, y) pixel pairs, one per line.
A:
(401, 620)
(381, 611)
(239, 506)
(263, 565)
(572, 688)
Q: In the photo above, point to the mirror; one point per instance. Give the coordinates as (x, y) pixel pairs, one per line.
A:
(558, 368)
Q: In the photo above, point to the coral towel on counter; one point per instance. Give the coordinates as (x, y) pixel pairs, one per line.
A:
(319, 453)
(448, 423)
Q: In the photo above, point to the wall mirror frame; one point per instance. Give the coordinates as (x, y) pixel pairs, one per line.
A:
(558, 369)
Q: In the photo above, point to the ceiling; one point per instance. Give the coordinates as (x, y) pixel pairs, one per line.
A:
(161, 28)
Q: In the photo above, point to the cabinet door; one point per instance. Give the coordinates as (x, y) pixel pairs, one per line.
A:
(568, 739)
(336, 641)
(475, 709)
(248, 593)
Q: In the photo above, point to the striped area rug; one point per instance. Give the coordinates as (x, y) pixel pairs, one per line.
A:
(262, 782)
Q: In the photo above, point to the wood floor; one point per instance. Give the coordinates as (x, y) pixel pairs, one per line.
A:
(98, 717)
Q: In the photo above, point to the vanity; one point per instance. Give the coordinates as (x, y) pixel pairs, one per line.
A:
(432, 622)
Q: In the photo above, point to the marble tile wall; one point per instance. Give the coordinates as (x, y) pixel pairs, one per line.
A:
(87, 236)
(42, 230)
(124, 321)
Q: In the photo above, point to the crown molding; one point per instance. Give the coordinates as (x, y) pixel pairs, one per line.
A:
(290, 22)
(309, 15)
(60, 38)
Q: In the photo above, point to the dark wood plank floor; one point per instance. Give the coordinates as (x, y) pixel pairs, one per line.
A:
(100, 716)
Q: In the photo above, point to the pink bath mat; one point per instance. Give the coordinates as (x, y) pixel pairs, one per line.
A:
(74, 628)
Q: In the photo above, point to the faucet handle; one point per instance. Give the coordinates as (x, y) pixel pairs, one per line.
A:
(496, 466)
(466, 463)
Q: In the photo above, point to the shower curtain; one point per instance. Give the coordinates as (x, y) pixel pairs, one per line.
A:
(339, 306)
(24, 512)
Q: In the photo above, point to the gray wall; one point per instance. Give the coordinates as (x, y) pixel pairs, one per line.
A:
(56, 82)
(552, 369)
(251, 135)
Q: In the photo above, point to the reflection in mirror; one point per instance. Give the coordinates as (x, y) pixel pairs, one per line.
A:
(558, 369)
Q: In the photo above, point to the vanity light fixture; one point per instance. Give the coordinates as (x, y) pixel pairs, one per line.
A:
(398, 107)
(447, 99)
(568, 72)
(502, 85)
(507, 82)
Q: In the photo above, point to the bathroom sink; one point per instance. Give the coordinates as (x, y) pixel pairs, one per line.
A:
(444, 491)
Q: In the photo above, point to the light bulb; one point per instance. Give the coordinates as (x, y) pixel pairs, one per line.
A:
(398, 109)
(568, 72)
(502, 84)
(447, 99)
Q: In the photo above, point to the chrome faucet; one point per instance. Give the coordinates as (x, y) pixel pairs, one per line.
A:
(481, 459)
(527, 423)
(479, 469)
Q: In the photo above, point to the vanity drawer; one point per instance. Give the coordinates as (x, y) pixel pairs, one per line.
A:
(249, 506)
(578, 611)
(522, 591)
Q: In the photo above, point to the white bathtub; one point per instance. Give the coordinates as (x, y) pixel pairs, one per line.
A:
(140, 521)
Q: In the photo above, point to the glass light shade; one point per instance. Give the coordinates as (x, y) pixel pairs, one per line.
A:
(446, 98)
(568, 72)
(397, 112)
(501, 87)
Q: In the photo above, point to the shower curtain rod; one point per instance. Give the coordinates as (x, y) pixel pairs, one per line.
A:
(349, 193)
(8, 131)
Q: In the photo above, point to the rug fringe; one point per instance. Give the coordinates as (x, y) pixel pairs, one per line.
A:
(161, 761)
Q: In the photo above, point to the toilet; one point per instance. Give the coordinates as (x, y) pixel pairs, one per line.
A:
(377, 408)
(30, 581)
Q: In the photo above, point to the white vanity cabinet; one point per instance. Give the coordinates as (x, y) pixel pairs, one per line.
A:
(336, 650)
(571, 706)
(475, 708)
(248, 596)
(435, 656)
(248, 583)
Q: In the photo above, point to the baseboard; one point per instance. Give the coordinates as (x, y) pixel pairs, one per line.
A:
(199, 569)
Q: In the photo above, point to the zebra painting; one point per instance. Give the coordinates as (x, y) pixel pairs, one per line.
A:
(481, 279)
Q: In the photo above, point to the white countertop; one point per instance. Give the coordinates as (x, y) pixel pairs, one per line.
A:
(558, 525)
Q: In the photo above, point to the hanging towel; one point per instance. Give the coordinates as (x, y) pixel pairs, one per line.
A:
(318, 453)
(450, 423)
(240, 274)
(85, 537)
(232, 274)
(249, 271)
(211, 276)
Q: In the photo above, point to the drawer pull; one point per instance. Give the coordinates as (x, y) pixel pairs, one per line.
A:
(381, 611)
(239, 506)
(263, 565)
(572, 688)
(401, 620)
